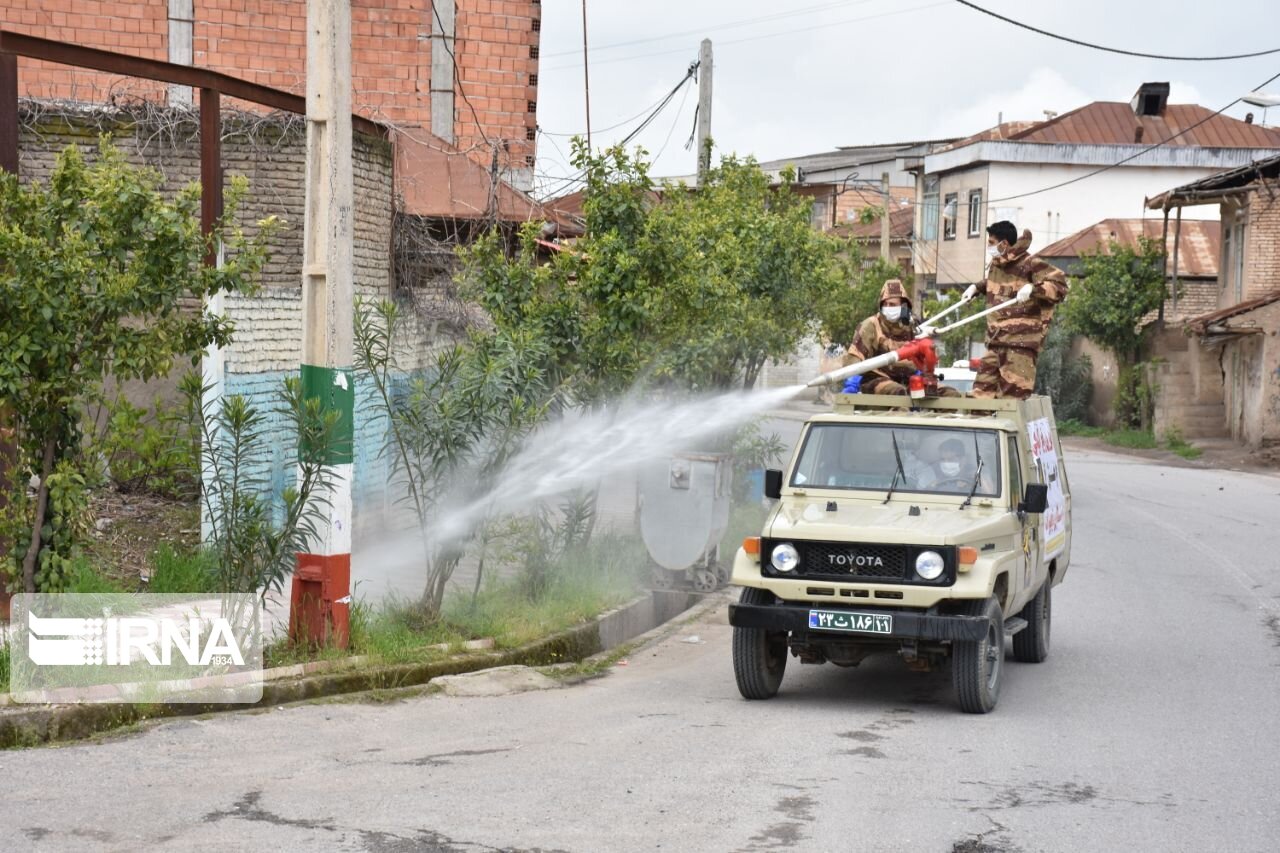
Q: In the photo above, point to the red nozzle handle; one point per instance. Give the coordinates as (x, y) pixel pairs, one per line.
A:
(922, 353)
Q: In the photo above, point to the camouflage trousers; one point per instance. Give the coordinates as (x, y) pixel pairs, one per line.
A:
(1007, 372)
(888, 386)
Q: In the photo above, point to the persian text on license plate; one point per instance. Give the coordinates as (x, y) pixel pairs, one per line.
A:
(845, 620)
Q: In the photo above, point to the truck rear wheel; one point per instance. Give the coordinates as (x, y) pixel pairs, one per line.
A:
(759, 656)
(977, 668)
(1031, 644)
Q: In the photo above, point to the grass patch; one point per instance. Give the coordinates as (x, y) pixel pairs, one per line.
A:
(1176, 443)
(4, 668)
(85, 580)
(1132, 439)
(606, 573)
(1079, 428)
(181, 570)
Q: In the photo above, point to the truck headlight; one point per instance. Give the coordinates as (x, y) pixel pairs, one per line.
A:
(930, 565)
(785, 557)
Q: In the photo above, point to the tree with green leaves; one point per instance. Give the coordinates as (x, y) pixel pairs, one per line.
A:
(94, 268)
(450, 435)
(691, 288)
(1118, 287)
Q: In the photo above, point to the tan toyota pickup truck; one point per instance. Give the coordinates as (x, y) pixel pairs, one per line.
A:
(933, 533)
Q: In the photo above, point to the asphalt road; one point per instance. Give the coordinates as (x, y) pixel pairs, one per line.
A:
(1153, 726)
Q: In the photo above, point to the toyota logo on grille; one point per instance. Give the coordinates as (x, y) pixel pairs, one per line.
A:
(852, 559)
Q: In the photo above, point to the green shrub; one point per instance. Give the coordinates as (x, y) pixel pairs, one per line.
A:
(182, 571)
(155, 452)
(1066, 381)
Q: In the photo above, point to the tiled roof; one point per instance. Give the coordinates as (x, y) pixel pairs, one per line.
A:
(1198, 247)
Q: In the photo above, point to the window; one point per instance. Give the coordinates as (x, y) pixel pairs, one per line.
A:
(929, 226)
(975, 213)
(818, 215)
(949, 203)
(1015, 470)
(865, 458)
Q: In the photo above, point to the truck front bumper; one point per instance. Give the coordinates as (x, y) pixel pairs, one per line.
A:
(907, 625)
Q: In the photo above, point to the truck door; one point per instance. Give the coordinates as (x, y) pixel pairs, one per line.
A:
(1029, 560)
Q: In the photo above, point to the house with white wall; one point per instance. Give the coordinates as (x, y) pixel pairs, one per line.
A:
(1041, 175)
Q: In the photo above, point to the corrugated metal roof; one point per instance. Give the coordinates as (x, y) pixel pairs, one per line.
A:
(435, 179)
(1198, 247)
(1114, 123)
(1268, 167)
(1200, 325)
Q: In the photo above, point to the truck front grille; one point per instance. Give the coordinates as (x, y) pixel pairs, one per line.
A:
(870, 562)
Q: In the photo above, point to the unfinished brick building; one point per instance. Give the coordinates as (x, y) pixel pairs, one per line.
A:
(454, 75)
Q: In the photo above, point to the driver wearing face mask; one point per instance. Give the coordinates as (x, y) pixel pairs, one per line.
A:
(951, 463)
(888, 329)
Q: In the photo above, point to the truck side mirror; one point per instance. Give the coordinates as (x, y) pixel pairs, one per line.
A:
(1036, 499)
(772, 483)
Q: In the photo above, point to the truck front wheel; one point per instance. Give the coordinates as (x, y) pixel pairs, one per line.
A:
(759, 656)
(977, 667)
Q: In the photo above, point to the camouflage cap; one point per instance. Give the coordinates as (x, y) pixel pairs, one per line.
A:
(894, 288)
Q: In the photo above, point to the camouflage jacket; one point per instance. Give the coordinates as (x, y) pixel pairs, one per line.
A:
(1022, 325)
(877, 336)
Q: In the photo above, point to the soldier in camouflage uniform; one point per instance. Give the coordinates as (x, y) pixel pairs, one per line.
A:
(1015, 335)
(885, 331)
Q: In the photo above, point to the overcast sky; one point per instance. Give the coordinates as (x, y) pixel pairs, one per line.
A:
(815, 75)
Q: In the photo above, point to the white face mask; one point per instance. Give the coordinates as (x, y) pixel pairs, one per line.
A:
(993, 252)
(893, 315)
(949, 468)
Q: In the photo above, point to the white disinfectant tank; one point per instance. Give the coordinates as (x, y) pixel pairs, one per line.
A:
(684, 511)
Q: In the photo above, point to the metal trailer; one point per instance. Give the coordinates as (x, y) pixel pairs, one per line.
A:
(684, 511)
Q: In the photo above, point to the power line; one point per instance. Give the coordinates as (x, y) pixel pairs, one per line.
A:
(679, 110)
(457, 74)
(1146, 150)
(715, 27)
(764, 36)
(661, 105)
(612, 126)
(1120, 51)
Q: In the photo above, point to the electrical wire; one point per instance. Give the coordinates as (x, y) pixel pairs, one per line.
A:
(791, 13)
(1146, 150)
(680, 109)
(1120, 51)
(457, 74)
(661, 105)
(759, 37)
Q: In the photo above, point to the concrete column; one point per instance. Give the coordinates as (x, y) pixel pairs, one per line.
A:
(443, 26)
(704, 110)
(321, 595)
(181, 40)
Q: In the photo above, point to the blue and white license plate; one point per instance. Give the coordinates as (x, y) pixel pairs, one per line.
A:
(851, 622)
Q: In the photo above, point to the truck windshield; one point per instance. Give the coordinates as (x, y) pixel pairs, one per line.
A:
(935, 460)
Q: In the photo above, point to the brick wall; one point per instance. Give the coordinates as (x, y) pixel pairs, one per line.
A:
(1262, 252)
(265, 41)
(136, 28)
(266, 346)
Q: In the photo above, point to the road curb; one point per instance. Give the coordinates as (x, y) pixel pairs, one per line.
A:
(644, 614)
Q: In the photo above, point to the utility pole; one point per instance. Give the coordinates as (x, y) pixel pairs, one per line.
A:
(884, 217)
(704, 110)
(321, 594)
(586, 77)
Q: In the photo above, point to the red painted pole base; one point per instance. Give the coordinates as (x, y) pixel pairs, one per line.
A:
(320, 601)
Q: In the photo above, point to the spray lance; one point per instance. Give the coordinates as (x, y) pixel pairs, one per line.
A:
(920, 352)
